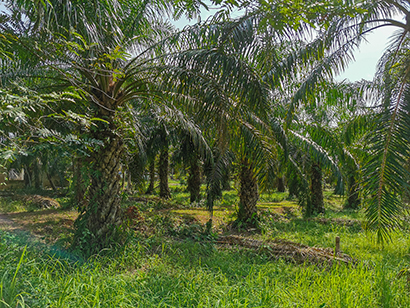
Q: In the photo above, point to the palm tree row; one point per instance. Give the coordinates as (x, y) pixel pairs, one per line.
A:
(256, 90)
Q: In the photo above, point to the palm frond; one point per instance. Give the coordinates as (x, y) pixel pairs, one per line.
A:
(386, 177)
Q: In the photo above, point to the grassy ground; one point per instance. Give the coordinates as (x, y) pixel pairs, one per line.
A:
(170, 262)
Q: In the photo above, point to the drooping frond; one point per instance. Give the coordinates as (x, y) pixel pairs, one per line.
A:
(386, 177)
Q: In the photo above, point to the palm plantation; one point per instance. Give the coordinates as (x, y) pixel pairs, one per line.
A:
(147, 127)
(110, 72)
(108, 79)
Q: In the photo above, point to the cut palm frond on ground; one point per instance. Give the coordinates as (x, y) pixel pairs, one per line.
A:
(290, 251)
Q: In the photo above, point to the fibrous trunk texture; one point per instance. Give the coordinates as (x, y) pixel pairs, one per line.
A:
(105, 188)
(102, 216)
(163, 174)
(248, 194)
(194, 179)
(316, 191)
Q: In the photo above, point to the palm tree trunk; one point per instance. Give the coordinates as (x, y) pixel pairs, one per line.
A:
(316, 190)
(213, 187)
(293, 183)
(248, 195)
(28, 175)
(78, 182)
(102, 215)
(353, 200)
(226, 180)
(194, 179)
(163, 174)
(50, 180)
(151, 185)
(281, 184)
(38, 184)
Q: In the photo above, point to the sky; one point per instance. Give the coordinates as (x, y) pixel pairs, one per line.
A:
(366, 57)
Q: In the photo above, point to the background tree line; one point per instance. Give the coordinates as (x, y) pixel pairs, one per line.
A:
(104, 92)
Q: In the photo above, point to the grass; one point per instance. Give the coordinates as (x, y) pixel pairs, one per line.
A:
(9, 205)
(170, 267)
(187, 274)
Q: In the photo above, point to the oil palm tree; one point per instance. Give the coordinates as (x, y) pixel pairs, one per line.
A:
(343, 28)
(124, 55)
(95, 61)
(323, 136)
(275, 64)
(384, 172)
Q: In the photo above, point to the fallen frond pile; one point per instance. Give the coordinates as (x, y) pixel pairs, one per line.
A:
(290, 251)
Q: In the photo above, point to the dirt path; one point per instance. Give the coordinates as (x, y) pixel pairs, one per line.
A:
(6, 224)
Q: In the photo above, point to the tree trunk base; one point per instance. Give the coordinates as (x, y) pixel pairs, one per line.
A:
(98, 225)
(164, 191)
(281, 185)
(194, 180)
(353, 200)
(316, 205)
(248, 197)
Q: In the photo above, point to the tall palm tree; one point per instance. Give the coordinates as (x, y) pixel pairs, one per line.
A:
(109, 61)
(274, 64)
(342, 29)
(323, 137)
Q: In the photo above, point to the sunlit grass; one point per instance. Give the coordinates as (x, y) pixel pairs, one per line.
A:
(158, 273)
(163, 270)
(8, 205)
(277, 205)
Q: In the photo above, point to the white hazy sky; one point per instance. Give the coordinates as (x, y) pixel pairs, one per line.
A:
(366, 57)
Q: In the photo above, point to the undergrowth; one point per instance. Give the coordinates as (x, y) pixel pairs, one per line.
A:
(173, 260)
(161, 272)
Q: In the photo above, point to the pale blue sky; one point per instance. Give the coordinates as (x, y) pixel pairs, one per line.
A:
(366, 57)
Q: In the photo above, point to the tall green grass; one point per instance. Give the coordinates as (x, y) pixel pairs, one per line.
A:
(161, 272)
(164, 271)
(9, 296)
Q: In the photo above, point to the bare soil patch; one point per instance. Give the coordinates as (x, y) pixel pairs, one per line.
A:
(51, 224)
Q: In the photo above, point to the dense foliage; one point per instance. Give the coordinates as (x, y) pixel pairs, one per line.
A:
(116, 88)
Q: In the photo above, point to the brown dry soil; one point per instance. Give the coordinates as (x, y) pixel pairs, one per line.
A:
(48, 224)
